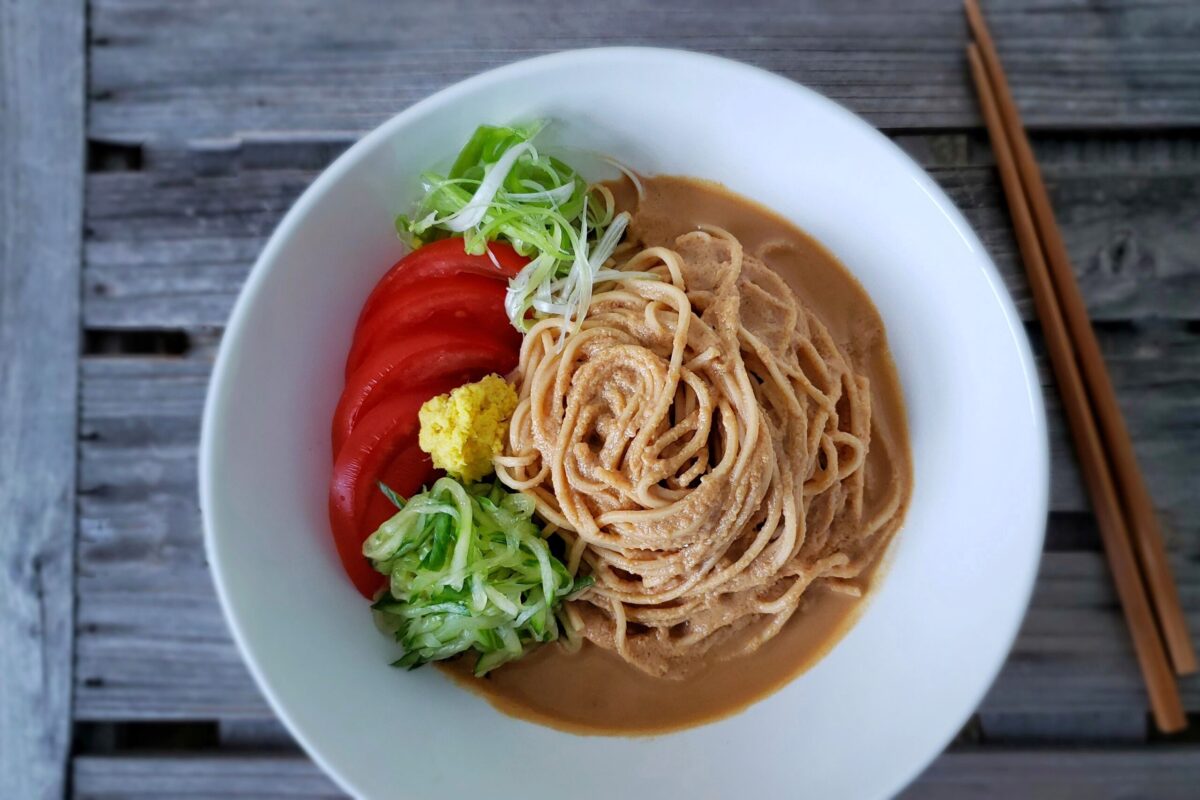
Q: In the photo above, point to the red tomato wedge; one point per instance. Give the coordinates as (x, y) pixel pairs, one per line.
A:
(383, 445)
(439, 259)
(415, 361)
(454, 302)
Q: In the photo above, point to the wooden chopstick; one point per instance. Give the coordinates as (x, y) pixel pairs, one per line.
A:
(1137, 503)
(1152, 657)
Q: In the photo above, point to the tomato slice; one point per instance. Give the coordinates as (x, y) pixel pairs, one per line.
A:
(410, 469)
(414, 361)
(455, 302)
(441, 258)
(381, 446)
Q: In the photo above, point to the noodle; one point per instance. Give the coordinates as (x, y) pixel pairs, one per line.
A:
(699, 444)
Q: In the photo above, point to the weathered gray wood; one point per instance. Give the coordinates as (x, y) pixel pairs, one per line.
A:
(1079, 727)
(1156, 371)
(1163, 773)
(41, 195)
(219, 67)
(263, 777)
(169, 247)
(1073, 654)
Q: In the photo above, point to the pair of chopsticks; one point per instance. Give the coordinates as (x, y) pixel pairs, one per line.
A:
(1128, 526)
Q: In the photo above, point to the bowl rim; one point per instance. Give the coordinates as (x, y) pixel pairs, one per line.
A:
(207, 479)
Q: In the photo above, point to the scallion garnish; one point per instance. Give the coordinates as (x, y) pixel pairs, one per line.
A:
(501, 187)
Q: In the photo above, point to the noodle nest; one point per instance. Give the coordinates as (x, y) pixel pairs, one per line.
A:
(699, 443)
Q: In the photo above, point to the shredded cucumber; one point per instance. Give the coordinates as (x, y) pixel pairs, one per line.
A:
(468, 569)
(502, 188)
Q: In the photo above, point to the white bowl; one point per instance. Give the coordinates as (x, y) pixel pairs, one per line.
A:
(890, 695)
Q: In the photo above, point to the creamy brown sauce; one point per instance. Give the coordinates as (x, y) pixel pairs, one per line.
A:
(594, 691)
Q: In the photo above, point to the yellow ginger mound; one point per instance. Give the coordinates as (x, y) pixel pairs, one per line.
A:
(464, 429)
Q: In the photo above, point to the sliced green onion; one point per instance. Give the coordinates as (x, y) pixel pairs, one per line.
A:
(502, 188)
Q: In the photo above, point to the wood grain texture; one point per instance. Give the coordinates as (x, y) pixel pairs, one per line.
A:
(1074, 654)
(1165, 773)
(262, 777)
(1072, 728)
(169, 246)
(219, 67)
(1169, 773)
(41, 196)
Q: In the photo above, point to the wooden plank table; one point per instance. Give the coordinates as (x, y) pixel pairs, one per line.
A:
(41, 212)
(202, 121)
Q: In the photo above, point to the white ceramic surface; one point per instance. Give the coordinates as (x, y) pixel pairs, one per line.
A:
(871, 714)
